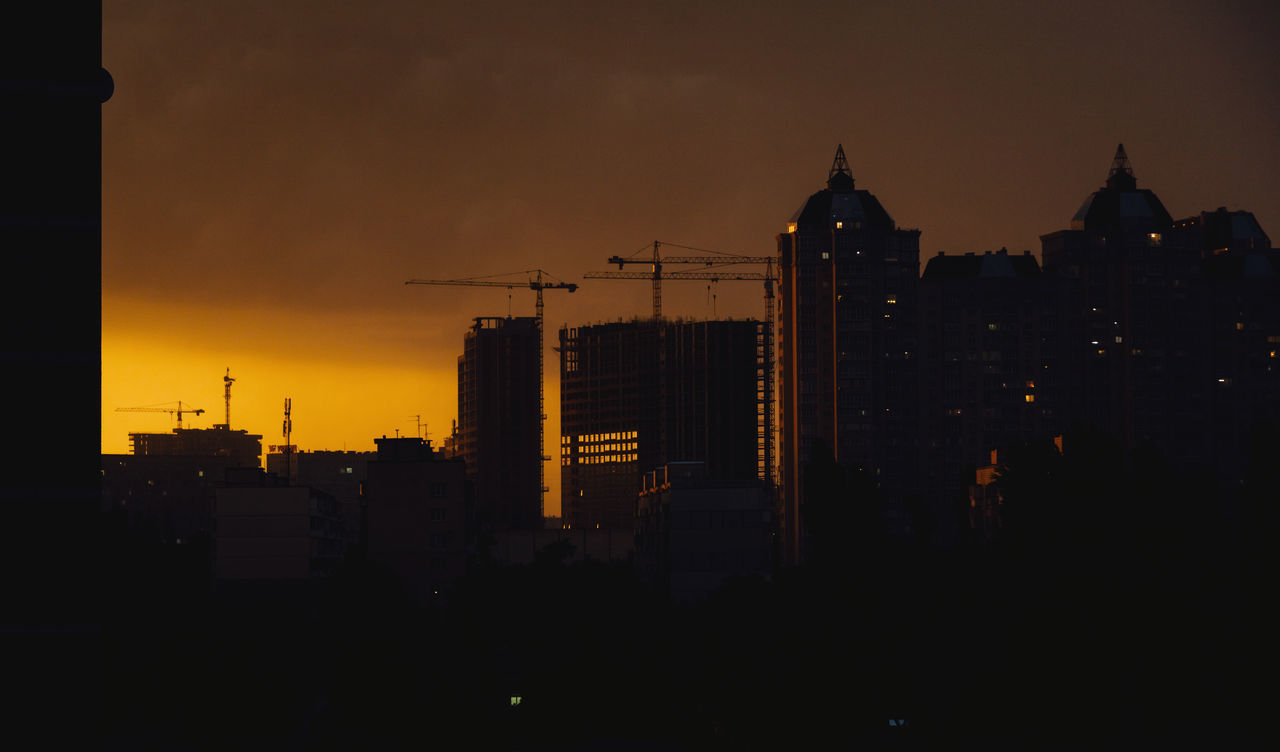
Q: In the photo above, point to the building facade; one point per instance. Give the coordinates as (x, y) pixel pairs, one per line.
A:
(637, 395)
(1163, 334)
(416, 520)
(245, 448)
(847, 345)
(986, 341)
(267, 530)
(1167, 328)
(499, 431)
(693, 533)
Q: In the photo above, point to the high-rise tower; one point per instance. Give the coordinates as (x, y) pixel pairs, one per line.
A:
(848, 279)
(499, 421)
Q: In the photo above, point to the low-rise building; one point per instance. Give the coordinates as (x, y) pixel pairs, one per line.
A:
(694, 533)
(265, 529)
(416, 507)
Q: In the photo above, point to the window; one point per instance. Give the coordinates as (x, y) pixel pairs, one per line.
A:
(438, 490)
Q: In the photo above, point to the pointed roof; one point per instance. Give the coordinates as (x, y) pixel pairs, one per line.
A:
(1121, 174)
(840, 205)
(840, 177)
(1120, 202)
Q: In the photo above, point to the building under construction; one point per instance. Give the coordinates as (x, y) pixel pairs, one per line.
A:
(244, 447)
(635, 396)
(499, 421)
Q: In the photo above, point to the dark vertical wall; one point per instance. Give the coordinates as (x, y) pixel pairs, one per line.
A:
(52, 86)
(498, 422)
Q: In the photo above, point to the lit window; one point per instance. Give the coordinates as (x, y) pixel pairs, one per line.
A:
(891, 300)
(839, 225)
(1029, 398)
(825, 256)
(1154, 238)
(1119, 340)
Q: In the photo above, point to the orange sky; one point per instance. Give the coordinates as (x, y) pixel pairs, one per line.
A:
(274, 172)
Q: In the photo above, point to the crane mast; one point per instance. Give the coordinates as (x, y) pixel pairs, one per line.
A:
(537, 284)
(226, 395)
(716, 264)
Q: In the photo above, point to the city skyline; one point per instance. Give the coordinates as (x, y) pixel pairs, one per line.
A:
(237, 178)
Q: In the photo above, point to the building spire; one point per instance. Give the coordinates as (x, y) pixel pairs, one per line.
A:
(839, 168)
(1121, 174)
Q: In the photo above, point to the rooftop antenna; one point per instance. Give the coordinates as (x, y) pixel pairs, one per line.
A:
(226, 394)
(418, 421)
(288, 431)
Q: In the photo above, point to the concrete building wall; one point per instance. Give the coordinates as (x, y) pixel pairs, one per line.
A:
(636, 395)
(694, 533)
(499, 421)
(275, 533)
(244, 447)
(417, 515)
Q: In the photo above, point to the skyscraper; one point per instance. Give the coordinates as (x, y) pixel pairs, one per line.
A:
(1168, 328)
(499, 422)
(848, 279)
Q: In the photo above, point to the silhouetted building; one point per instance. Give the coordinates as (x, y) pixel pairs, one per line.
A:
(337, 473)
(1164, 325)
(1160, 333)
(985, 331)
(243, 447)
(847, 346)
(693, 533)
(267, 530)
(416, 515)
(168, 498)
(53, 88)
(637, 395)
(499, 422)
(1240, 279)
(282, 460)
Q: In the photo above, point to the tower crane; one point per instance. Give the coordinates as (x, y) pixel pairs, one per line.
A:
(708, 259)
(178, 411)
(537, 284)
(714, 263)
(226, 394)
